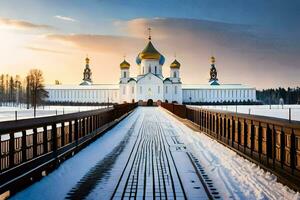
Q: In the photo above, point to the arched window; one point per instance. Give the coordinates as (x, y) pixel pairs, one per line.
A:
(175, 75)
(149, 69)
(176, 89)
(155, 70)
(124, 74)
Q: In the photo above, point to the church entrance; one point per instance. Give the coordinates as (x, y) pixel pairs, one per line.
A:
(150, 102)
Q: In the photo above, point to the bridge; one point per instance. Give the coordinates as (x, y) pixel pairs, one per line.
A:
(167, 152)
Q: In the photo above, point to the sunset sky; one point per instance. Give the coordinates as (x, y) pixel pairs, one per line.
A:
(255, 42)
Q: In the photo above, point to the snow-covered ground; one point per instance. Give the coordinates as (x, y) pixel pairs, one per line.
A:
(277, 111)
(8, 113)
(150, 142)
(234, 175)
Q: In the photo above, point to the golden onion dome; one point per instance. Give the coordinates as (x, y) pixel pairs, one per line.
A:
(124, 65)
(150, 53)
(87, 60)
(213, 60)
(175, 64)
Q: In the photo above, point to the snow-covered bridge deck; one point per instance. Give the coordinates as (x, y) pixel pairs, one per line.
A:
(151, 155)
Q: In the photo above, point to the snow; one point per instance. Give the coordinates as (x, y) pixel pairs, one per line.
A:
(277, 111)
(153, 133)
(8, 112)
(231, 173)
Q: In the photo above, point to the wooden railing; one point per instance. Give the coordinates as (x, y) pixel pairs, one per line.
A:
(28, 147)
(271, 142)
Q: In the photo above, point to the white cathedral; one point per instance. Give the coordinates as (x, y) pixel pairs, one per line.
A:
(150, 86)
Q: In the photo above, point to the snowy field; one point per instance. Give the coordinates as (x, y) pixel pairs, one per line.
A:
(8, 113)
(277, 111)
(132, 143)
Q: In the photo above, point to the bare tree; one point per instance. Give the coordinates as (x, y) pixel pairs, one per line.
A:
(11, 91)
(36, 87)
(28, 91)
(18, 90)
(2, 89)
(6, 88)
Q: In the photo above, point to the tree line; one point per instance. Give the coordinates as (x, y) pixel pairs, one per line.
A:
(30, 90)
(273, 96)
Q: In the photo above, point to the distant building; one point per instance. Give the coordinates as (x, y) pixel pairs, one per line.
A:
(150, 85)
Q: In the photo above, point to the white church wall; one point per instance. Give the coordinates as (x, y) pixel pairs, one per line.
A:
(149, 65)
(131, 88)
(177, 93)
(150, 87)
(168, 91)
(213, 95)
(82, 95)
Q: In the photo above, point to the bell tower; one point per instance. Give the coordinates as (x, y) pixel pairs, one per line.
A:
(124, 67)
(87, 73)
(174, 71)
(213, 72)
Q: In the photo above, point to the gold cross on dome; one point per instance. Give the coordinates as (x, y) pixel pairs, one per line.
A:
(149, 30)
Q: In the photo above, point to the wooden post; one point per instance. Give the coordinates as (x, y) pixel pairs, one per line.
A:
(79, 127)
(24, 146)
(220, 125)
(249, 137)
(83, 127)
(62, 134)
(34, 142)
(91, 124)
(272, 144)
(54, 139)
(70, 131)
(242, 135)
(288, 136)
(279, 146)
(264, 143)
(76, 134)
(11, 150)
(208, 123)
(257, 140)
(222, 138)
(45, 139)
(230, 131)
(201, 119)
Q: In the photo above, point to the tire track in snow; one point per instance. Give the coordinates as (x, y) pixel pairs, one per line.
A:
(150, 162)
(100, 170)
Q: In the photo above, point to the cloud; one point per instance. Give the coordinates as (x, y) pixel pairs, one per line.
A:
(45, 50)
(65, 18)
(100, 43)
(245, 54)
(20, 24)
